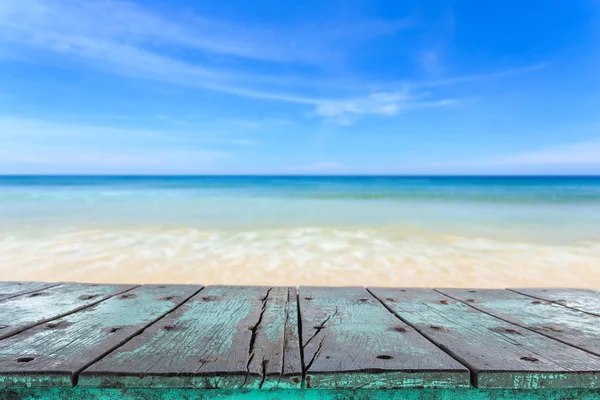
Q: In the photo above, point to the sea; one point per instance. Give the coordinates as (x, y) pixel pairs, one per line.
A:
(302, 230)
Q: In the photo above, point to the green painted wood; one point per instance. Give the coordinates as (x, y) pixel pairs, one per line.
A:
(351, 341)
(22, 312)
(293, 394)
(499, 354)
(14, 289)
(226, 337)
(52, 354)
(570, 326)
(585, 300)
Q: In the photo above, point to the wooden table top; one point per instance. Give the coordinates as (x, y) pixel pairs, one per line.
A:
(333, 338)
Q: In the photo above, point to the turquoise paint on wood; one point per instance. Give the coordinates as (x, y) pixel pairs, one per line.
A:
(351, 341)
(293, 394)
(150, 343)
(13, 289)
(22, 312)
(54, 353)
(499, 354)
(225, 337)
(586, 300)
(576, 328)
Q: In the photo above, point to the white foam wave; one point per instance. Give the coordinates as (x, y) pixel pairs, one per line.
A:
(300, 256)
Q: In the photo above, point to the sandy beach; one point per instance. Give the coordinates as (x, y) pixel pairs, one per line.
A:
(309, 256)
(458, 232)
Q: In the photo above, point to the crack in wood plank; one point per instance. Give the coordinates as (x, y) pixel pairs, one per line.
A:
(314, 357)
(320, 327)
(303, 382)
(263, 372)
(253, 329)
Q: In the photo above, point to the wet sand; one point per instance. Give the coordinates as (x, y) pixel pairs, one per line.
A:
(302, 256)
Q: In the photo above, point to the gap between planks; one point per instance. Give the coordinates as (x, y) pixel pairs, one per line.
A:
(75, 376)
(539, 332)
(472, 373)
(256, 326)
(300, 341)
(57, 316)
(17, 294)
(558, 302)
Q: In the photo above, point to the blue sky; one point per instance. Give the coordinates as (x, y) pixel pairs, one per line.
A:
(299, 87)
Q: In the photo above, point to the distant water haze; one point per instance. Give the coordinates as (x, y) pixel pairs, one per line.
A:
(385, 231)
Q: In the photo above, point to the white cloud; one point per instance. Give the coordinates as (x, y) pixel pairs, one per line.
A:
(128, 39)
(479, 77)
(60, 23)
(381, 103)
(125, 38)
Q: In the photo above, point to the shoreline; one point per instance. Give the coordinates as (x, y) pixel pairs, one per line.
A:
(315, 256)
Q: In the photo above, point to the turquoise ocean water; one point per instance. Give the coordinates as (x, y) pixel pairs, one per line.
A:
(110, 227)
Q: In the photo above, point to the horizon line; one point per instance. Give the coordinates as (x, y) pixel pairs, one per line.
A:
(303, 175)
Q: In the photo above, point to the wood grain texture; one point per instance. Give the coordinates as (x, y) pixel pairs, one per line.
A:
(226, 337)
(586, 300)
(351, 341)
(292, 359)
(14, 289)
(52, 354)
(22, 312)
(499, 354)
(570, 326)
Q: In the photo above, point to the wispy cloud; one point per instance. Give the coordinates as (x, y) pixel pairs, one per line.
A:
(131, 40)
(70, 25)
(479, 77)
(381, 103)
(67, 23)
(127, 39)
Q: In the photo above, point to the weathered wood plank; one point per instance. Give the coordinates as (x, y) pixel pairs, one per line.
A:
(22, 312)
(351, 341)
(226, 337)
(586, 300)
(14, 289)
(570, 326)
(52, 354)
(292, 359)
(499, 354)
